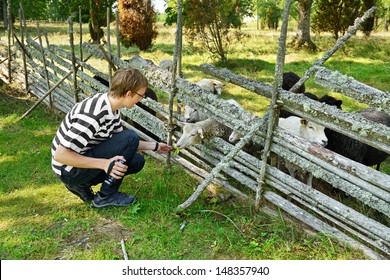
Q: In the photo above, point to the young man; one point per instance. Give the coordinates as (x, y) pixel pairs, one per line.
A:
(91, 147)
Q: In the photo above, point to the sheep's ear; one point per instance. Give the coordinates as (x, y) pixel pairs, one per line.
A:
(303, 122)
(200, 131)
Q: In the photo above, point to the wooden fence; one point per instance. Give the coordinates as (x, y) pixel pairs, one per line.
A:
(51, 69)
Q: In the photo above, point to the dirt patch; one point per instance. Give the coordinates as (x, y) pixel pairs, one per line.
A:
(103, 231)
(110, 229)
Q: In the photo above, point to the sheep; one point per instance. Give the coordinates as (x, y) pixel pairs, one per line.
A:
(235, 135)
(192, 114)
(331, 101)
(166, 64)
(351, 148)
(307, 130)
(195, 133)
(356, 150)
(289, 80)
(211, 85)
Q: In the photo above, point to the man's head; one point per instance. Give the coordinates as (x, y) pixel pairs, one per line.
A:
(125, 80)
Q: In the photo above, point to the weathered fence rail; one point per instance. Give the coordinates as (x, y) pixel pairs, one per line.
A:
(47, 66)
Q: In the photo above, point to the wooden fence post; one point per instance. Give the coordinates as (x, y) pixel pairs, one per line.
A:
(109, 48)
(71, 40)
(173, 91)
(118, 41)
(22, 30)
(274, 114)
(9, 31)
(81, 37)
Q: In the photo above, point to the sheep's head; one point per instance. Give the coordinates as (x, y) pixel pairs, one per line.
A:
(190, 114)
(218, 86)
(192, 134)
(234, 136)
(313, 132)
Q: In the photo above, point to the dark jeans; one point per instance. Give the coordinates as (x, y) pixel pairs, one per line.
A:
(125, 144)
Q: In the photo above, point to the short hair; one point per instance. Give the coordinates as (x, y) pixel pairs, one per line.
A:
(127, 79)
(290, 79)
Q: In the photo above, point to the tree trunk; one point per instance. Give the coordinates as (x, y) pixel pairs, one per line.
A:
(302, 38)
(5, 16)
(95, 29)
(368, 25)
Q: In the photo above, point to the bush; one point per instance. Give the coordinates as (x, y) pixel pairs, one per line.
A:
(137, 23)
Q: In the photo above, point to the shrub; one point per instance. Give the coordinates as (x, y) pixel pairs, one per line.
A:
(137, 23)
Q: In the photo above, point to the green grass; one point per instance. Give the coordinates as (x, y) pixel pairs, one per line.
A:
(40, 219)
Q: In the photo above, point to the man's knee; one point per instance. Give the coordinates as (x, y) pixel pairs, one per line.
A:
(131, 137)
(136, 164)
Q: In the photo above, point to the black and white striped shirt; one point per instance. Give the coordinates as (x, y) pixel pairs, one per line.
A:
(87, 124)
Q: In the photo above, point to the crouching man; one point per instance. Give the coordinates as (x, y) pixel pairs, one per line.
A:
(91, 146)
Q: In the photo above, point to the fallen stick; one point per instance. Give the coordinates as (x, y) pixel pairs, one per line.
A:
(124, 250)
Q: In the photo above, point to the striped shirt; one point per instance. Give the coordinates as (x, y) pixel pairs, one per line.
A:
(87, 124)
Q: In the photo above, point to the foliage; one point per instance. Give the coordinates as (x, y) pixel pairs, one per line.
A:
(137, 23)
(270, 14)
(335, 16)
(368, 25)
(209, 22)
(50, 9)
(98, 18)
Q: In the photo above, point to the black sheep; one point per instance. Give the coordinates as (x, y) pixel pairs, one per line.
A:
(351, 148)
(289, 80)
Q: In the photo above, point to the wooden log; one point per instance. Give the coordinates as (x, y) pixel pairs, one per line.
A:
(317, 224)
(348, 86)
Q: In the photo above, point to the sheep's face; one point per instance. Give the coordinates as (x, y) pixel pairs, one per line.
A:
(218, 86)
(192, 134)
(313, 132)
(234, 136)
(190, 114)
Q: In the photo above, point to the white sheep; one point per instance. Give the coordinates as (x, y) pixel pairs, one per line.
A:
(235, 135)
(195, 133)
(307, 130)
(211, 85)
(166, 64)
(192, 114)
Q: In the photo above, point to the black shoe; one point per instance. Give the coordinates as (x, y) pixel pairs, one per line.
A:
(115, 199)
(83, 192)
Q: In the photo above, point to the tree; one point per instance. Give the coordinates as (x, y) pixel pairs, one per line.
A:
(97, 20)
(368, 25)
(269, 13)
(137, 20)
(335, 16)
(209, 22)
(302, 39)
